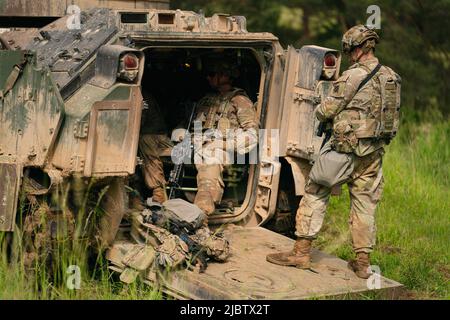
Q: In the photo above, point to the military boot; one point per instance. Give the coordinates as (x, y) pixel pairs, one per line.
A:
(205, 201)
(159, 195)
(360, 265)
(299, 257)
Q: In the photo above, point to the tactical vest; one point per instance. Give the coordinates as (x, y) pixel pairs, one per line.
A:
(214, 110)
(381, 119)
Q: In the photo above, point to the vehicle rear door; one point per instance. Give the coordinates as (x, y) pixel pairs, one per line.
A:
(309, 73)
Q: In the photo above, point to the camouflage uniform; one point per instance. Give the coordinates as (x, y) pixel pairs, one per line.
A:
(347, 111)
(223, 113)
(153, 143)
(363, 107)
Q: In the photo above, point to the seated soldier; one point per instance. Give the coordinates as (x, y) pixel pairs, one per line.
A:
(153, 143)
(229, 114)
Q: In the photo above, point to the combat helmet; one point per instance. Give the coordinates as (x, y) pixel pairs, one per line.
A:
(359, 36)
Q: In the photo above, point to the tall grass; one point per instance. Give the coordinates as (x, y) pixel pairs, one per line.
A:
(52, 276)
(413, 219)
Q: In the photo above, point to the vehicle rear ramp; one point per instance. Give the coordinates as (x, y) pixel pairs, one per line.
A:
(247, 274)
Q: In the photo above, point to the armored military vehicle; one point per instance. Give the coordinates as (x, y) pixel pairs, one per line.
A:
(71, 101)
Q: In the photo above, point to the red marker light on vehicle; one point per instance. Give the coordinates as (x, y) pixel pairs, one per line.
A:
(130, 61)
(330, 60)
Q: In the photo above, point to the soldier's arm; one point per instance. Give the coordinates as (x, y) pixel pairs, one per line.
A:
(247, 139)
(344, 89)
(245, 112)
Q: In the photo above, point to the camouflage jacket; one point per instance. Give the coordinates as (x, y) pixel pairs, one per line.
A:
(231, 110)
(344, 107)
(231, 117)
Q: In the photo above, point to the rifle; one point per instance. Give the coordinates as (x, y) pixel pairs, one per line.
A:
(179, 152)
(322, 129)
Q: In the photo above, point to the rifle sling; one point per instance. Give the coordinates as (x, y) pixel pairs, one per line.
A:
(369, 77)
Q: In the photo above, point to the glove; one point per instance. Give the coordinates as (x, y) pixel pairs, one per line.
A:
(178, 135)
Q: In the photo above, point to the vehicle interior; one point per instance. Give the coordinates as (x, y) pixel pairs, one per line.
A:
(176, 78)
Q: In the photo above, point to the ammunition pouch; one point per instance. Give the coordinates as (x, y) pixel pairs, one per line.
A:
(217, 111)
(367, 128)
(344, 137)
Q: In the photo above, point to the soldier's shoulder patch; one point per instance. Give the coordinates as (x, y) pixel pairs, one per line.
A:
(339, 85)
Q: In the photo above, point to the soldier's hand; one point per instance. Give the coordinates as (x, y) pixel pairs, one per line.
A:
(178, 135)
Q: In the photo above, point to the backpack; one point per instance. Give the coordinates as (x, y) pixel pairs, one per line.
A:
(389, 121)
(384, 118)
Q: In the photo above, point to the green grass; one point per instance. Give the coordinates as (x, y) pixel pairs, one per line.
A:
(16, 284)
(413, 219)
(97, 282)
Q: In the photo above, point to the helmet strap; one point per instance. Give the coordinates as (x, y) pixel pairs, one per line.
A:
(360, 55)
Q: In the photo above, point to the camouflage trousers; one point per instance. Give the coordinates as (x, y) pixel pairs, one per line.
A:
(151, 148)
(210, 160)
(209, 179)
(211, 157)
(365, 186)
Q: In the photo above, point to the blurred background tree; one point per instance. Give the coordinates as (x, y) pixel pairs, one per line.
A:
(414, 35)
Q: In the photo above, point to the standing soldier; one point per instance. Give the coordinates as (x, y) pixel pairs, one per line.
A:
(226, 117)
(363, 109)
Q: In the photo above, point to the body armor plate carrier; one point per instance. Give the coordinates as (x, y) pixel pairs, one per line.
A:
(215, 109)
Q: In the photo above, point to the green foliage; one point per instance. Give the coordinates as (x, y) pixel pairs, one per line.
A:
(414, 39)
